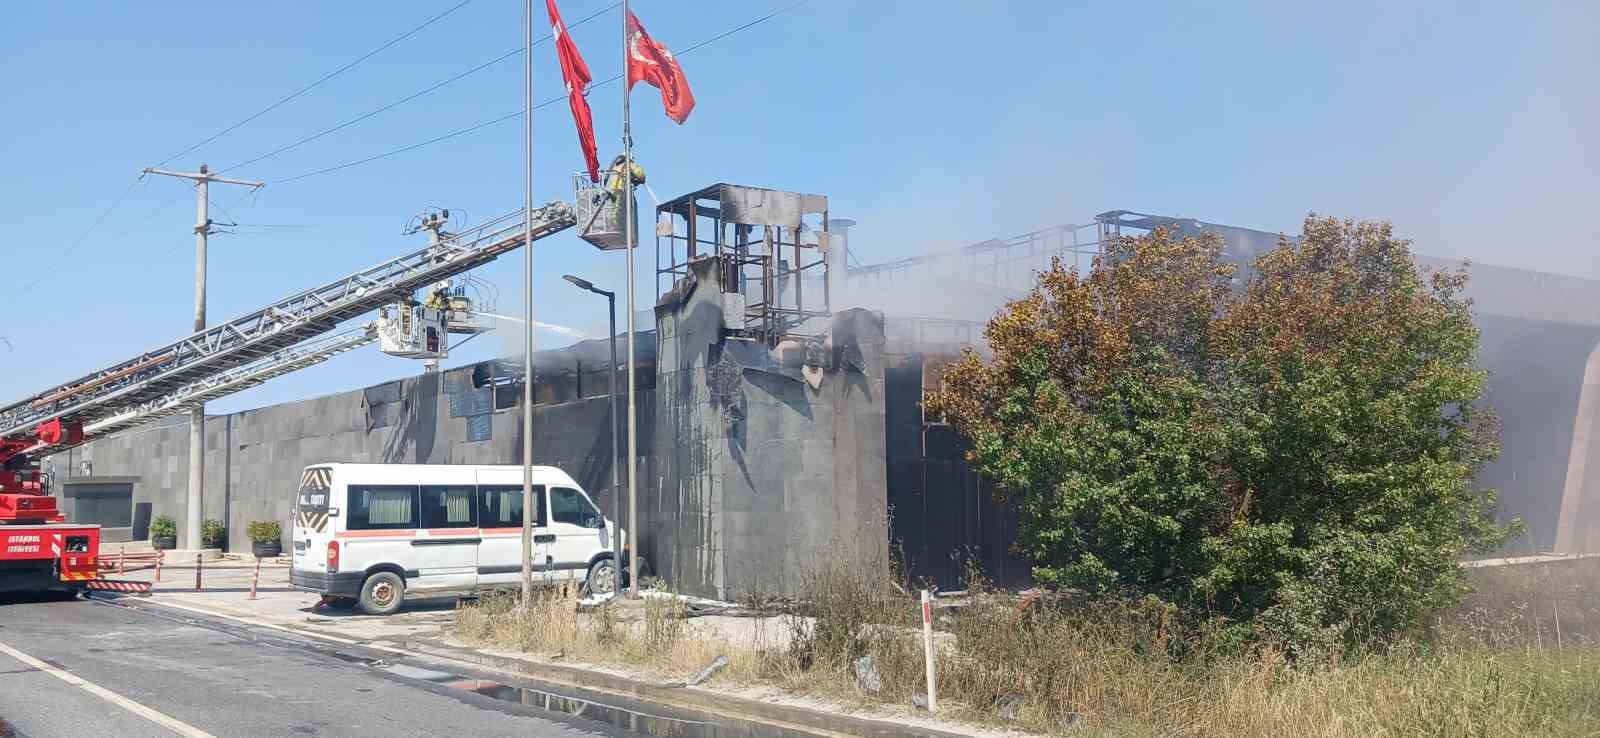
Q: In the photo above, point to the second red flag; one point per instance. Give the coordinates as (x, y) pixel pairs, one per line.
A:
(650, 61)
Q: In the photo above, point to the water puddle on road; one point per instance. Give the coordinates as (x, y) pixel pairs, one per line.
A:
(630, 720)
(683, 723)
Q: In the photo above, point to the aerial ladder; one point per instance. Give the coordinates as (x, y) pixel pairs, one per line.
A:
(39, 550)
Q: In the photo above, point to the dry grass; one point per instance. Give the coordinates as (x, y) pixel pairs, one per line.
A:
(1125, 669)
(654, 635)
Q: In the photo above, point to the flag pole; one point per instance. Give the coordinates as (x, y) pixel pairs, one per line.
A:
(627, 220)
(527, 326)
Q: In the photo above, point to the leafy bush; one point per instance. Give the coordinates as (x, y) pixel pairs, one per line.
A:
(163, 526)
(212, 531)
(1290, 449)
(264, 531)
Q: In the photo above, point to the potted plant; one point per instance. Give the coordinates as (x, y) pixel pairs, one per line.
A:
(266, 538)
(164, 533)
(213, 534)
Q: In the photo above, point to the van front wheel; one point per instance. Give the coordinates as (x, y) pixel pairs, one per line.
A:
(602, 578)
(382, 592)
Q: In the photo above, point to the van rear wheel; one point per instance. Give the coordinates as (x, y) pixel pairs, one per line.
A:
(382, 593)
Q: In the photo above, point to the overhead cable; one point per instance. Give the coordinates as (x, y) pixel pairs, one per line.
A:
(412, 96)
(44, 273)
(308, 88)
(518, 113)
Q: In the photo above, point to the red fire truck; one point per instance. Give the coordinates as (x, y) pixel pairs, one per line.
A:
(39, 551)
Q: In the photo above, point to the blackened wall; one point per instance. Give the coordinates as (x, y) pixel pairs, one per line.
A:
(760, 470)
(945, 518)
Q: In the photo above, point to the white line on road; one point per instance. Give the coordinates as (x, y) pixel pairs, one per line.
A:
(170, 723)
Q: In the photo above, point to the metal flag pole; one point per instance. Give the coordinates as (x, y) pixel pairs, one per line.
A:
(527, 326)
(627, 220)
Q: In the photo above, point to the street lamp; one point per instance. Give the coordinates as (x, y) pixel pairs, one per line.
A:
(616, 490)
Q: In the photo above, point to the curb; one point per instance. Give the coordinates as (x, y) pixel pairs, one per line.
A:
(688, 697)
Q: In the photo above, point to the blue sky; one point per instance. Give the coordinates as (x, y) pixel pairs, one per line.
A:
(1469, 125)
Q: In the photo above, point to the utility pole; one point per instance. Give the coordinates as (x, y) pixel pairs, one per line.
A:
(197, 415)
(627, 219)
(527, 326)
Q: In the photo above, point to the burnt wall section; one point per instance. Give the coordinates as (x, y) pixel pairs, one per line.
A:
(767, 456)
(944, 516)
(468, 415)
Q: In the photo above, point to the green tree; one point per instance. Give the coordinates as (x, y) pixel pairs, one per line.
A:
(1290, 447)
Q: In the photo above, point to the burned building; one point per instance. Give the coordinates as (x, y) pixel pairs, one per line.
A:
(779, 404)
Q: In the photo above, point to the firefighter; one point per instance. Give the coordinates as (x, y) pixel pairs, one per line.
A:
(615, 181)
(615, 177)
(438, 299)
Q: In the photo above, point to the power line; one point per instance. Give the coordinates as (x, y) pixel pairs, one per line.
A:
(224, 211)
(42, 274)
(518, 113)
(313, 85)
(412, 96)
(103, 215)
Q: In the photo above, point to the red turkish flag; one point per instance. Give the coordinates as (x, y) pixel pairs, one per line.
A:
(576, 74)
(648, 60)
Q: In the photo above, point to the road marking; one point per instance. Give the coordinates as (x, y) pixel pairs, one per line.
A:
(170, 723)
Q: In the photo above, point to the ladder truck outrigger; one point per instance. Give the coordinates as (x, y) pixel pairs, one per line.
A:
(40, 551)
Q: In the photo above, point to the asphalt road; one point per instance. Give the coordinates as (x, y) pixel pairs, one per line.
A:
(158, 673)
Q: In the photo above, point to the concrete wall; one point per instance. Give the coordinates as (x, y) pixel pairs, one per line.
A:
(254, 458)
(944, 516)
(760, 468)
(1536, 371)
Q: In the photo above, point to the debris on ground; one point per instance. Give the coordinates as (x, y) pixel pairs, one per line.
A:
(867, 677)
(1008, 706)
(717, 664)
(593, 602)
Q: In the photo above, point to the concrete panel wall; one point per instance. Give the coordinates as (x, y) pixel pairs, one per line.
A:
(254, 458)
(761, 471)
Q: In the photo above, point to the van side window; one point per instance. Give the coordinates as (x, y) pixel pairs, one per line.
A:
(382, 507)
(500, 505)
(448, 506)
(569, 506)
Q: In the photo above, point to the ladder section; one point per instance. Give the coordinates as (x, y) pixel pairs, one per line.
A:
(206, 356)
(239, 379)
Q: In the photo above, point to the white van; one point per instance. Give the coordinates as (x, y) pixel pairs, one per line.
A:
(370, 533)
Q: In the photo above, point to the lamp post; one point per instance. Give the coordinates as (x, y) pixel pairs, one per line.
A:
(616, 490)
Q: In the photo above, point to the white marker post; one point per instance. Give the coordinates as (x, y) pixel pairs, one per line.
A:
(927, 647)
